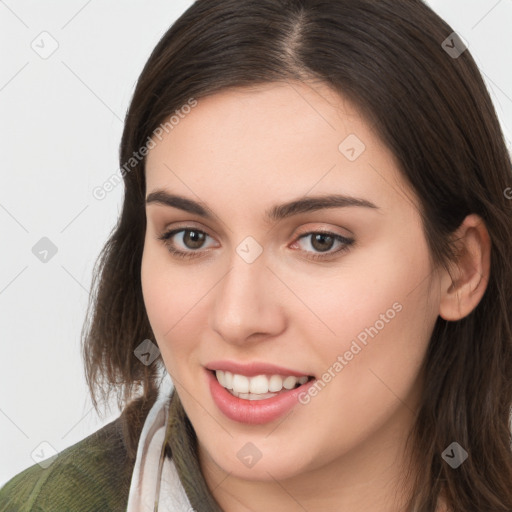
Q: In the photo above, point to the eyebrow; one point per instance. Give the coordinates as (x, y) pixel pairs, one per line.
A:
(275, 213)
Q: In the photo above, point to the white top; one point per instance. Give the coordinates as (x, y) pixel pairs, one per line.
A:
(144, 481)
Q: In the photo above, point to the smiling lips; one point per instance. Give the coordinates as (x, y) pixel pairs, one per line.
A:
(254, 393)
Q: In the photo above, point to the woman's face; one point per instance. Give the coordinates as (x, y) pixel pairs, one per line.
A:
(304, 260)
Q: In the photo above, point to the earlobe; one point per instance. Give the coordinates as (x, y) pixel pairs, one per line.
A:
(464, 288)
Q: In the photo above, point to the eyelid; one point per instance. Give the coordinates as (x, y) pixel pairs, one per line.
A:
(186, 224)
(331, 234)
(320, 228)
(169, 233)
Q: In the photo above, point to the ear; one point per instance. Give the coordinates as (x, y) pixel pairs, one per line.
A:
(462, 290)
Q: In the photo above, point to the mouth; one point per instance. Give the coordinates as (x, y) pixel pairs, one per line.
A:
(259, 387)
(255, 393)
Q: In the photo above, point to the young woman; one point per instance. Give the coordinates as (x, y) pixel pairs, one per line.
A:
(315, 238)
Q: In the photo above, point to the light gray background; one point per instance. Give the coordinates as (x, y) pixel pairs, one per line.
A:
(61, 123)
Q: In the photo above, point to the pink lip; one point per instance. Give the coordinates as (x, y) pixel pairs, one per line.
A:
(253, 369)
(255, 412)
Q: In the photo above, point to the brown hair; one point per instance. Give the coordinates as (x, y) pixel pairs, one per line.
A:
(433, 111)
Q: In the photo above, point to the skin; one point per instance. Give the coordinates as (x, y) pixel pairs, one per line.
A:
(240, 152)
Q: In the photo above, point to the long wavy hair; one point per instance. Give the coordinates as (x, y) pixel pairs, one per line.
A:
(431, 107)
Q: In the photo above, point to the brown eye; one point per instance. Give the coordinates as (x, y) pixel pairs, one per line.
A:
(322, 242)
(193, 239)
(185, 242)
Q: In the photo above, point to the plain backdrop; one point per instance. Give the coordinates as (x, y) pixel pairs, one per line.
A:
(68, 70)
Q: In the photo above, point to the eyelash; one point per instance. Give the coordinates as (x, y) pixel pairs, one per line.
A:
(166, 236)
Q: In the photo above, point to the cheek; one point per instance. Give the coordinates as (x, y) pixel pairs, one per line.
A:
(173, 299)
(155, 291)
(361, 291)
(375, 318)
(370, 368)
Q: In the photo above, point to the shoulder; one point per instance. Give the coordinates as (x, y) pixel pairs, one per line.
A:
(85, 476)
(93, 474)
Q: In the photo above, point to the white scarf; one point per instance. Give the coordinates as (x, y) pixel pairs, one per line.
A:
(144, 481)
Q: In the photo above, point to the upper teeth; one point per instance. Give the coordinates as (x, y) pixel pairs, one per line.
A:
(259, 384)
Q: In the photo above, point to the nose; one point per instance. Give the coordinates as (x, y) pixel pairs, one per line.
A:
(246, 303)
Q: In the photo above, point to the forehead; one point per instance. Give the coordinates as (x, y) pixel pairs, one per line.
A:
(274, 139)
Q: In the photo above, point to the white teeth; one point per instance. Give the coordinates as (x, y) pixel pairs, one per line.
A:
(228, 380)
(289, 382)
(221, 377)
(252, 396)
(258, 384)
(275, 383)
(240, 383)
(258, 387)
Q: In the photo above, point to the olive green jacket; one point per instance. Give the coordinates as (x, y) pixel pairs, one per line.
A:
(94, 475)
